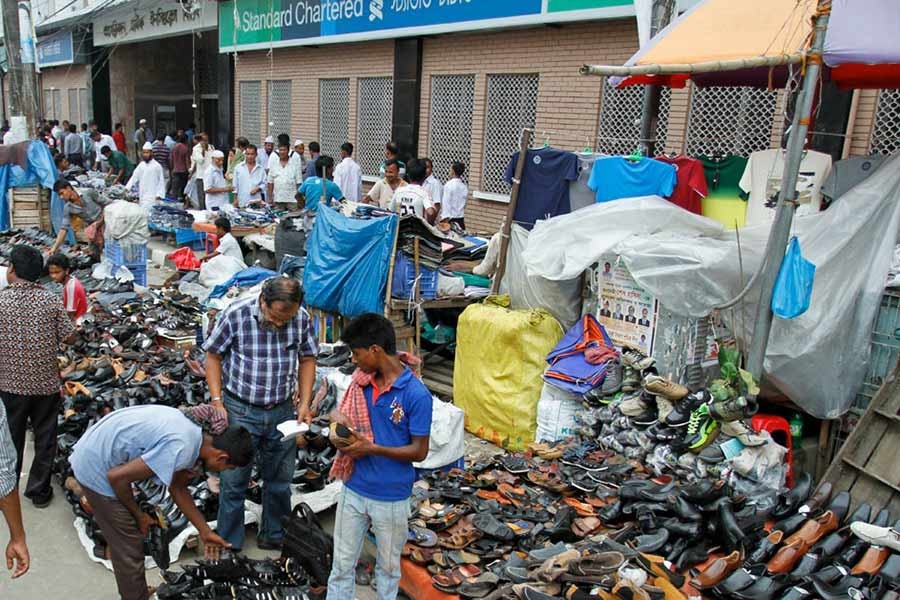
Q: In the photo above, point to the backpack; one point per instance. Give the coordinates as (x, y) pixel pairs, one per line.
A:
(307, 543)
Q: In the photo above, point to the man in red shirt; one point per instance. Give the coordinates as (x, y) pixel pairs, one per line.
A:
(74, 297)
(180, 161)
(119, 137)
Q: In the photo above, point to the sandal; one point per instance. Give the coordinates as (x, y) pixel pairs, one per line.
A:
(423, 556)
(514, 464)
(582, 508)
(490, 526)
(586, 526)
(422, 537)
(479, 587)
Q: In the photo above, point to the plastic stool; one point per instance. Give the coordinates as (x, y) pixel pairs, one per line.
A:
(780, 430)
(212, 242)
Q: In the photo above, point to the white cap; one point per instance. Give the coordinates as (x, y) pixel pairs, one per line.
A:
(297, 143)
(147, 146)
(269, 140)
(218, 154)
(142, 121)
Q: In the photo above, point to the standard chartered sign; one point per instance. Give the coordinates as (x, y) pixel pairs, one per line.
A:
(249, 24)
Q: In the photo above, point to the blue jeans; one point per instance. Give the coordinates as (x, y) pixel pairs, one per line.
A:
(389, 523)
(277, 461)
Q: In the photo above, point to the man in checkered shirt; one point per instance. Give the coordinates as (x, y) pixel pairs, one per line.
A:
(16, 551)
(260, 367)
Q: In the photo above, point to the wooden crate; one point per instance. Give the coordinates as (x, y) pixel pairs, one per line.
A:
(30, 207)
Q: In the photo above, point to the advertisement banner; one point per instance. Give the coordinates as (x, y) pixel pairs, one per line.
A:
(626, 311)
(255, 24)
(153, 21)
(57, 49)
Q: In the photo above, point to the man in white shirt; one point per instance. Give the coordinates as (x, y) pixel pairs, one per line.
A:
(249, 179)
(101, 141)
(284, 180)
(433, 185)
(228, 244)
(455, 195)
(215, 186)
(413, 199)
(348, 174)
(149, 178)
(383, 191)
(265, 152)
(201, 159)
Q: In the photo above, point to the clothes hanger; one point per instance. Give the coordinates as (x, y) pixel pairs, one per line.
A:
(635, 156)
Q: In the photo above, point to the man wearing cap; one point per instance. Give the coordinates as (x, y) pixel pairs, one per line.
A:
(150, 179)
(263, 155)
(142, 135)
(214, 183)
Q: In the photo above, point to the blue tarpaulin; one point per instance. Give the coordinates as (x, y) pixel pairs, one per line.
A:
(246, 278)
(41, 171)
(347, 263)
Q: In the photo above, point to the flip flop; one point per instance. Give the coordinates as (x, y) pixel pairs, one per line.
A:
(479, 587)
(422, 537)
(514, 464)
(423, 556)
(489, 525)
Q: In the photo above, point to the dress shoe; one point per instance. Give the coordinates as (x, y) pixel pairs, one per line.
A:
(651, 542)
(766, 548)
(657, 493)
(764, 588)
(818, 500)
(857, 546)
(790, 502)
(809, 564)
(787, 556)
(840, 505)
(796, 592)
(890, 571)
(888, 537)
(716, 572)
(872, 561)
(728, 529)
(690, 530)
(739, 580)
(837, 591)
(790, 524)
(815, 529)
(684, 509)
(693, 555)
(703, 491)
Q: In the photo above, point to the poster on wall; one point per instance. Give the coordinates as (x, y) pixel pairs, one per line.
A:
(626, 311)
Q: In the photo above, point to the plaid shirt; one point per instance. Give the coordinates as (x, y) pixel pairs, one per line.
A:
(260, 364)
(8, 476)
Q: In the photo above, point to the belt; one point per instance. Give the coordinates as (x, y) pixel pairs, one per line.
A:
(266, 407)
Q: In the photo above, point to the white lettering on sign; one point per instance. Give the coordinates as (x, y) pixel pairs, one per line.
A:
(375, 8)
(409, 5)
(329, 10)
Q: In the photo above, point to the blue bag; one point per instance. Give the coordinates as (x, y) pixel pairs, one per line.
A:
(793, 288)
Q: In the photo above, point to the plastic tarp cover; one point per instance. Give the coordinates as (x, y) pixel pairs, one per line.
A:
(500, 357)
(561, 298)
(691, 265)
(41, 170)
(347, 263)
(245, 279)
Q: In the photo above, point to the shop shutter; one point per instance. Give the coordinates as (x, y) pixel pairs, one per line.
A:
(279, 108)
(251, 110)
(620, 119)
(886, 131)
(450, 122)
(74, 111)
(511, 106)
(84, 106)
(334, 115)
(374, 117)
(730, 120)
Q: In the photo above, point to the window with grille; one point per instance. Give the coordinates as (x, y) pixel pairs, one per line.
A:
(279, 108)
(48, 105)
(731, 120)
(886, 131)
(620, 119)
(334, 114)
(450, 123)
(374, 116)
(72, 97)
(511, 106)
(251, 107)
(83, 106)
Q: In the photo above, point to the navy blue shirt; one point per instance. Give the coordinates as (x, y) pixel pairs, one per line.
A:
(544, 191)
(396, 414)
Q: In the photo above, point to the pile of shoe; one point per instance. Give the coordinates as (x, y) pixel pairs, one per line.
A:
(42, 240)
(170, 217)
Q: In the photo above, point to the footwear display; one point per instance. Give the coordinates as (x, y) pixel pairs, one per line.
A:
(659, 386)
(681, 413)
(887, 537)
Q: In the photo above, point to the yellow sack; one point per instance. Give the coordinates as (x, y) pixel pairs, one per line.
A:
(500, 357)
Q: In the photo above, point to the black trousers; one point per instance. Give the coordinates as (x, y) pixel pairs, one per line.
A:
(179, 180)
(42, 411)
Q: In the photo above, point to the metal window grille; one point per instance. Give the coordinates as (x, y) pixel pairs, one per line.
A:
(74, 113)
(48, 105)
(279, 107)
(511, 105)
(84, 105)
(731, 120)
(886, 131)
(620, 119)
(251, 107)
(53, 104)
(374, 117)
(334, 114)
(450, 123)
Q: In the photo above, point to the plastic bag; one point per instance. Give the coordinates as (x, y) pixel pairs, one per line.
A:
(190, 191)
(184, 259)
(793, 288)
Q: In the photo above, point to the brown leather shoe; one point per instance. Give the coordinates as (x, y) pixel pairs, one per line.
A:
(717, 571)
(788, 556)
(815, 529)
(872, 561)
(818, 500)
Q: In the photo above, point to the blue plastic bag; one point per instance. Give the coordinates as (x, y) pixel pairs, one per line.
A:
(793, 288)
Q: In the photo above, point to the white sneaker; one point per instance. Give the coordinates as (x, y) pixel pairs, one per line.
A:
(637, 359)
(747, 436)
(886, 537)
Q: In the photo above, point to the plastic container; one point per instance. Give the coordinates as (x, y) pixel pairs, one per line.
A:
(140, 274)
(189, 237)
(405, 276)
(128, 255)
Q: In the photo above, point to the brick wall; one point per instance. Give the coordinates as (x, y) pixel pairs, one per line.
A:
(65, 78)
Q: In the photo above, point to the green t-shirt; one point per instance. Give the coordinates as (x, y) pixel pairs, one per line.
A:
(118, 161)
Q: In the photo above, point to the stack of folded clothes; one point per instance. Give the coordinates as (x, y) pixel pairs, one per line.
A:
(170, 218)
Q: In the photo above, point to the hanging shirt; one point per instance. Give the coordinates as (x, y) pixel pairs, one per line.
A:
(412, 199)
(312, 191)
(151, 182)
(723, 201)
(617, 177)
(285, 180)
(348, 177)
(690, 188)
(544, 190)
(580, 195)
(245, 180)
(762, 180)
(848, 173)
(454, 201)
(214, 178)
(435, 188)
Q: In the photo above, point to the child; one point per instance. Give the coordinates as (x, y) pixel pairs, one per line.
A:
(453, 205)
(74, 298)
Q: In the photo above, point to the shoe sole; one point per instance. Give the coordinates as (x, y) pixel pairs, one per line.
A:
(645, 423)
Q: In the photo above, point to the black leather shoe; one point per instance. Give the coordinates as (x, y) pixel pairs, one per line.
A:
(808, 565)
(797, 592)
(791, 501)
(739, 580)
(703, 491)
(690, 530)
(692, 556)
(684, 509)
(728, 529)
(651, 542)
(611, 512)
(790, 524)
(840, 505)
(838, 591)
(764, 588)
(765, 549)
(657, 493)
(890, 571)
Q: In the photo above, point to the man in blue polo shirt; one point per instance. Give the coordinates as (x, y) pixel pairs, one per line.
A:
(312, 186)
(380, 483)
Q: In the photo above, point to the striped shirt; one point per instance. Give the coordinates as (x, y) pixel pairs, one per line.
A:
(8, 474)
(259, 363)
(161, 154)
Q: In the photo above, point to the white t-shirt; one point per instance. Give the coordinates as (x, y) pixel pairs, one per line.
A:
(454, 202)
(382, 193)
(229, 246)
(412, 199)
(762, 180)
(348, 176)
(213, 179)
(435, 188)
(285, 180)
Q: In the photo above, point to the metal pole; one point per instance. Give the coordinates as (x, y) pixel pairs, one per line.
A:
(21, 57)
(781, 228)
(663, 11)
(524, 143)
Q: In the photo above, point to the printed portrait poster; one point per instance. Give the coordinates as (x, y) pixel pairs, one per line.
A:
(626, 311)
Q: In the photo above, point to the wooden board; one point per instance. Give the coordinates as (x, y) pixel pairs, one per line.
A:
(30, 207)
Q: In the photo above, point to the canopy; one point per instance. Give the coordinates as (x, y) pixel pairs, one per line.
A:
(723, 42)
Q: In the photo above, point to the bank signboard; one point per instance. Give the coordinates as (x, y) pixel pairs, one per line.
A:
(57, 49)
(256, 24)
(143, 21)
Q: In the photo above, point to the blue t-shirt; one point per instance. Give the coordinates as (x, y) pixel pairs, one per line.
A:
(311, 188)
(166, 439)
(617, 177)
(400, 412)
(544, 191)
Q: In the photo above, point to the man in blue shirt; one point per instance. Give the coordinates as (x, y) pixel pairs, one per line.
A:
(378, 488)
(314, 153)
(312, 187)
(144, 442)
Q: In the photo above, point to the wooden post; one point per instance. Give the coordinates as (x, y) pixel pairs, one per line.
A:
(525, 142)
(390, 277)
(417, 298)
